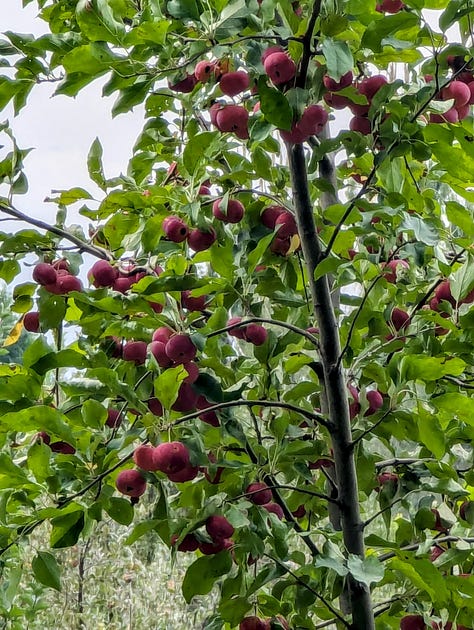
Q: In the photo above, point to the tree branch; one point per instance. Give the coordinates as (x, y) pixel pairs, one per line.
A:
(272, 322)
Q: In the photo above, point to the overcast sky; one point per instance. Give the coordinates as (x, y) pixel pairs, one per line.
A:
(61, 129)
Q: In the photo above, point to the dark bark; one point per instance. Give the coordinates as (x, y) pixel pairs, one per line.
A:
(334, 387)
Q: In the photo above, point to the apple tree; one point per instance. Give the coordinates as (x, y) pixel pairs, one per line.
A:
(267, 332)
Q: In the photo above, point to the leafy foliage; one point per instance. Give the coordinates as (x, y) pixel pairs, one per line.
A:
(393, 245)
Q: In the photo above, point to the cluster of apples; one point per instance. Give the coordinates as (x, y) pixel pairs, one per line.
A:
(460, 91)
(416, 622)
(373, 396)
(177, 231)
(218, 529)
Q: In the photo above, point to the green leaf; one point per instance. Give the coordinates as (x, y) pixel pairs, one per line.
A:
(338, 57)
(202, 574)
(97, 22)
(430, 368)
(167, 384)
(462, 280)
(460, 216)
(197, 150)
(39, 455)
(274, 106)
(94, 164)
(66, 529)
(46, 570)
(255, 256)
(431, 433)
(389, 25)
(140, 530)
(424, 576)
(183, 9)
(120, 510)
(368, 570)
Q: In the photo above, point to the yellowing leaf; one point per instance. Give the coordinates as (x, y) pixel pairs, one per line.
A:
(14, 334)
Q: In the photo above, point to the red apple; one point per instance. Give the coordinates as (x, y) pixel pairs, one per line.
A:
(413, 622)
(394, 266)
(234, 83)
(163, 334)
(279, 67)
(31, 322)
(193, 303)
(188, 473)
(269, 51)
(180, 349)
(458, 91)
(369, 86)
(135, 351)
(103, 274)
(209, 417)
(399, 318)
(389, 6)
(375, 400)
(144, 457)
(114, 418)
(44, 274)
(234, 119)
(313, 120)
(186, 400)
(199, 240)
(184, 86)
(254, 623)
(175, 229)
(270, 215)
(131, 482)
(232, 213)
(259, 493)
(334, 86)
(274, 508)
(361, 124)
(218, 527)
(286, 225)
(256, 334)
(171, 457)
(62, 447)
(204, 70)
(189, 542)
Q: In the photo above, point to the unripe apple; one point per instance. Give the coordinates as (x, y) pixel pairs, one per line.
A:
(144, 457)
(313, 120)
(256, 334)
(369, 86)
(44, 274)
(270, 215)
(158, 350)
(209, 417)
(458, 91)
(413, 622)
(185, 86)
(279, 67)
(175, 229)
(399, 318)
(131, 482)
(389, 6)
(171, 457)
(114, 418)
(135, 351)
(218, 527)
(394, 266)
(286, 225)
(274, 508)
(31, 322)
(334, 86)
(163, 334)
(234, 83)
(199, 240)
(259, 493)
(186, 400)
(62, 447)
(375, 400)
(180, 348)
(188, 473)
(233, 213)
(254, 623)
(361, 124)
(189, 542)
(103, 274)
(204, 70)
(234, 119)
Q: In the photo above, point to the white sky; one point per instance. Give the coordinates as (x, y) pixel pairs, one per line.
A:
(61, 129)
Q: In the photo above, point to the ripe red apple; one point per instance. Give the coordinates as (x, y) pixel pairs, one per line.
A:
(66, 283)
(394, 266)
(443, 293)
(375, 400)
(114, 418)
(44, 274)
(131, 482)
(158, 350)
(218, 527)
(187, 398)
(399, 318)
(286, 225)
(233, 213)
(209, 417)
(175, 229)
(322, 462)
(254, 623)
(135, 351)
(238, 332)
(413, 622)
(275, 509)
(280, 246)
(144, 457)
(389, 6)
(155, 406)
(436, 552)
(193, 372)
(199, 240)
(269, 51)
(216, 479)
(354, 405)
(171, 457)
(184, 86)
(458, 91)
(123, 284)
(62, 447)
(451, 116)
(193, 303)
(43, 436)
(270, 215)
(103, 274)
(361, 124)
(163, 334)
(180, 348)
(204, 70)
(334, 86)
(211, 548)
(369, 86)
(387, 478)
(188, 473)
(438, 526)
(313, 120)
(466, 511)
(234, 119)
(189, 542)
(256, 334)
(31, 322)
(259, 493)
(336, 101)
(279, 67)
(234, 83)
